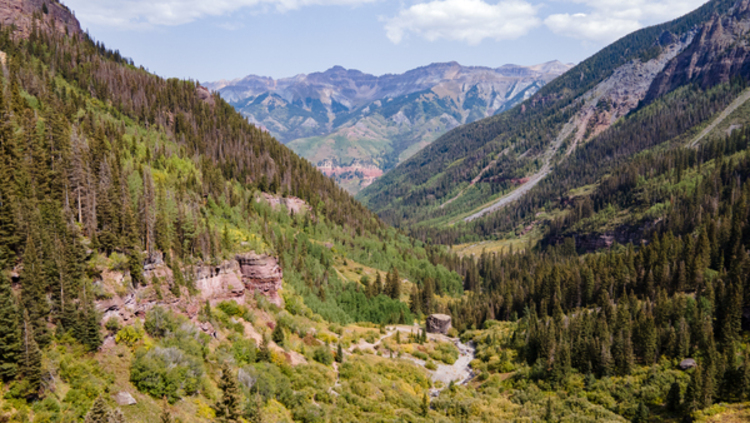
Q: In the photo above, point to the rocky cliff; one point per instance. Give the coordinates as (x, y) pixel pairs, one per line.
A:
(720, 52)
(50, 15)
(246, 275)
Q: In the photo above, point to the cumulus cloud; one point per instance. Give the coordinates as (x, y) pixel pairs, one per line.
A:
(608, 20)
(149, 13)
(470, 21)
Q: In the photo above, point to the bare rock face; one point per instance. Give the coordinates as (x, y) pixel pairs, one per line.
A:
(21, 13)
(261, 273)
(438, 323)
(204, 95)
(718, 53)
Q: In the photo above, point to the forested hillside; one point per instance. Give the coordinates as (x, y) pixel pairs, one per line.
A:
(164, 260)
(472, 166)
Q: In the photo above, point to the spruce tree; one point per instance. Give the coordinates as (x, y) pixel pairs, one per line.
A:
(166, 416)
(99, 412)
(31, 370)
(674, 397)
(641, 414)
(10, 331)
(693, 401)
(425, 408)
(278, 335)
(264, 353)
(33, 292)
(228, 407)
(116, 416)
(339, 354)
(254, 409)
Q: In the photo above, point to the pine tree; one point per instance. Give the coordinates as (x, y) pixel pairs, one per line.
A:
(674, 397)
(641, 414)
(693, 401)
(166, 416)
(254, 409)
(278, 335)
(31, 370)
(33, 292)
(264, 353)
(228, 408)
(10, 331)
(745, 391)
(116, 416)
(339, 354)
(378, 286)
(425, 408)
(87, 328)
(99, 412)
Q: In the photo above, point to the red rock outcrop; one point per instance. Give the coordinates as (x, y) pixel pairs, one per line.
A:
(21, 13)
(261, 273)
(231, 280)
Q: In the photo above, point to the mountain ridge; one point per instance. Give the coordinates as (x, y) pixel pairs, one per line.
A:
(362, 121)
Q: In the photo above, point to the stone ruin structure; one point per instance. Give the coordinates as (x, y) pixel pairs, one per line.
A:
(438, 323)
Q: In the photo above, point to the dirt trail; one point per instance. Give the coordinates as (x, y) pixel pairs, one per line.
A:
(459, 372)
(739, 101)
(519, 192)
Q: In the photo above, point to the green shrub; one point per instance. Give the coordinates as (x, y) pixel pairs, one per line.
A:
(159, 322)
(129, 335)
(166, 372)
(244, 351)
(323, 355)
(231, 308)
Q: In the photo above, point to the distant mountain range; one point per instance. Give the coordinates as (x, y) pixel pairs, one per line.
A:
(356, 126)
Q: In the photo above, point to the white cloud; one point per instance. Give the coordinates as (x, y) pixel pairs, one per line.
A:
(470, 21)
(608, 20)
(149, 13)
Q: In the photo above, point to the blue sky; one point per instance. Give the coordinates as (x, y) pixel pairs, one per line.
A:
(210, 40)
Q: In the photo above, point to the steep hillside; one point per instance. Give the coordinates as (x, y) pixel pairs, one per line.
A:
(355, 126)
(163, 260)
(482, 167)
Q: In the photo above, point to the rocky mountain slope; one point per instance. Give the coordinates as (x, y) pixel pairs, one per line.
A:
(355, 126)
(479, 169)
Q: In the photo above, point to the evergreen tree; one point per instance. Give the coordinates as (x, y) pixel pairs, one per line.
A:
(674, 397)
(228, 407)
(116, 416)
(33, 292)
(99, 412)
(254, 409)
(166, 416)
(264, 353)
(31, 370)
(693, 401)
(278, 335)
(425, 408)
(339, 354)
(641, 414)
(10, 331)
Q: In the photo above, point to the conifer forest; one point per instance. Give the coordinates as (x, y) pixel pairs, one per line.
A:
(164, 259)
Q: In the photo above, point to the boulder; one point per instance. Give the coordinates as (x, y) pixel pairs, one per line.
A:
(687, 364)
(438, 323)
(124, 398)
